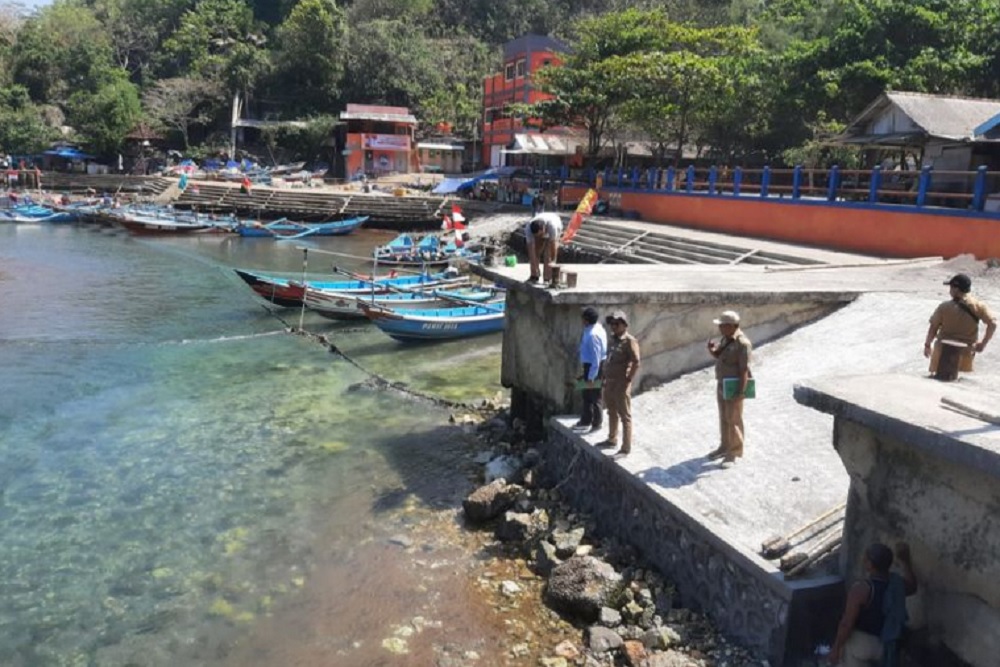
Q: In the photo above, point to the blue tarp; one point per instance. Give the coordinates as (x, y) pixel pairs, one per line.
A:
(450, 186)
(69, 154)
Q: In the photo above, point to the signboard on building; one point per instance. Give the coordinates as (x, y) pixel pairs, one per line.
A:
(387, 142)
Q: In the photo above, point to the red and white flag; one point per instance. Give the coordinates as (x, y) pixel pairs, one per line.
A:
(458, 220)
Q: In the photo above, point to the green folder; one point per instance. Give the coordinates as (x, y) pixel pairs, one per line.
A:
(731, 385)
(584, 384)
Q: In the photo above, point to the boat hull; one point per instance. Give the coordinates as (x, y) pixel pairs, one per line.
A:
(427, 326)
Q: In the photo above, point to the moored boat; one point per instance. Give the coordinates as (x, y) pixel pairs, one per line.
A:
(289, 292)
(339, 306)
(405, 250)
(437, 323)
(291, 230)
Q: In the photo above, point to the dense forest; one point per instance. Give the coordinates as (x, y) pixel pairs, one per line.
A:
(766, 80)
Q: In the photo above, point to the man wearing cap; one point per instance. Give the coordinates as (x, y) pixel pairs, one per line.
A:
(619, 371)
(958, 320)
(593, 350)
(732, 360)
(542, 234)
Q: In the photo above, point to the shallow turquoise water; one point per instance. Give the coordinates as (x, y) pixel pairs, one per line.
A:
(169, 456)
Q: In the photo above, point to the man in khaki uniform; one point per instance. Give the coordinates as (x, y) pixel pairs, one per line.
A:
(958, 320)
(732, 360)
(619, 371)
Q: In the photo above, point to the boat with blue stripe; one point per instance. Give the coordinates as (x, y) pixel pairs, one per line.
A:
(436, 324)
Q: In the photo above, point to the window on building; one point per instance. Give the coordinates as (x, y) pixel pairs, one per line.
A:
(520, 68)
(509, 72)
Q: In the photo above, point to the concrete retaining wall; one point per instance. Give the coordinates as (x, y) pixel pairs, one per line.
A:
(927, 476)
(744, 595)
(542, 336)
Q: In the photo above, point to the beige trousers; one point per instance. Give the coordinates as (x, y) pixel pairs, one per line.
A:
(861, 650)
(618, 402)
(730, 424)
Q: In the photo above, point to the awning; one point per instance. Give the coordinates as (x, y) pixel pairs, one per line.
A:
(440, 147)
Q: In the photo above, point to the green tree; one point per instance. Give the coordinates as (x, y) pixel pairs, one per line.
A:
(309, 61)
(137, 28)
(61, 49)
(390, 62)
(104, 116)
(22, 126)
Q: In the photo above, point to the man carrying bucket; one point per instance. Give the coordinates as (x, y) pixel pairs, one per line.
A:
(956, 322)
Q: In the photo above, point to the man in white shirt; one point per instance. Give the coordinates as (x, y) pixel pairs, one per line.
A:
(542, 234)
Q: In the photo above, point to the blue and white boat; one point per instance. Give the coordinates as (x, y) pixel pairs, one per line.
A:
(406, 250)
(285, 229)
(290, 292)
(339, 306)
(436, 324)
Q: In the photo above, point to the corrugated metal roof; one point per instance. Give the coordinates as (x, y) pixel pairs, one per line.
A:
(939, 116)
(440, 147)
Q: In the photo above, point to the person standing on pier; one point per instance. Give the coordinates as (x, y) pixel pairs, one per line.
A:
(619, 371)
(958, 320)
(593, 350)
(732, 361)
(542, 234)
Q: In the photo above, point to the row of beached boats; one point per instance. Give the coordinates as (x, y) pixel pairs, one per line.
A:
(160, 220)
(424, 307)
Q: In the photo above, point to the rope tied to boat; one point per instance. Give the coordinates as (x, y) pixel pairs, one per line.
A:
(380, 381)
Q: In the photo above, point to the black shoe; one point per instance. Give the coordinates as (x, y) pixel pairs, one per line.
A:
(608, 444)
(532, 279)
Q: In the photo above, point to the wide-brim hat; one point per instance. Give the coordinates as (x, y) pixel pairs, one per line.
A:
(728, 317)
(617, 316)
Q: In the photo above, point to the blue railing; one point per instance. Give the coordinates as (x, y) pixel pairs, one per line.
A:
(967, 190)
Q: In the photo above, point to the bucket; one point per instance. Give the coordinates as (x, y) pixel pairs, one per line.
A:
(948, 362)
(553, 277)
(571, 279)
(510, 261)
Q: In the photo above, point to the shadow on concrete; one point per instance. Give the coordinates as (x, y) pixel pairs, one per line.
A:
(680, 474)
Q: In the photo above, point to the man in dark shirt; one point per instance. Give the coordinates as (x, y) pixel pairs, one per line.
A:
(859, 641)
(619, 371)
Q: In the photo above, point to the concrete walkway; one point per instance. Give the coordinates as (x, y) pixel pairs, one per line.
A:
(790, 473)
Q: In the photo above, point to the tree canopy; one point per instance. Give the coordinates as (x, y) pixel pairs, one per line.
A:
(744, 79)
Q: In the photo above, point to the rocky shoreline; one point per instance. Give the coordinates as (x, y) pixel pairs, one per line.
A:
(623, 612)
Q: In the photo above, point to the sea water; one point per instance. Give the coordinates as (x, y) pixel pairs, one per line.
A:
(183, 482)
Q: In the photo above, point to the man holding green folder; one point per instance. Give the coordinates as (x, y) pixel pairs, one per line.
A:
(734, 383)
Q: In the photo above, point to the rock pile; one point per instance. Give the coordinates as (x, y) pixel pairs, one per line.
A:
(628, 614)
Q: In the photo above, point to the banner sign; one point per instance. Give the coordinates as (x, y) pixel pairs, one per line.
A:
(386, 142)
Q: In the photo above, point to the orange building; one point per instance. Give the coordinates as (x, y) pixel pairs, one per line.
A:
(521, 58)
(376, 140)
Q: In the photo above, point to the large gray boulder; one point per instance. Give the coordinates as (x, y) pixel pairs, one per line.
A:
(523, 529)
(490, 501)
(581, 586)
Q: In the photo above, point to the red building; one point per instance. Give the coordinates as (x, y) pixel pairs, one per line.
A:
(521, 57)
(376, 140)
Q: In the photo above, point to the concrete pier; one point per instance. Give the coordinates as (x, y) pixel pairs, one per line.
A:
(703, 525)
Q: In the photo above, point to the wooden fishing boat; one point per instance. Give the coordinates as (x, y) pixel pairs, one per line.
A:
(405, 250)
(289, 292)
(438, 323)
(338, 306)
(155, 225)
(289, 229)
